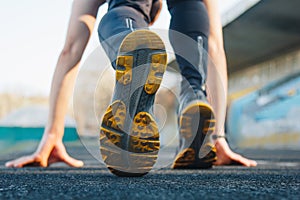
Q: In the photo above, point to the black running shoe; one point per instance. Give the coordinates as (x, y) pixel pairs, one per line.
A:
(196, 124)
(129, 138)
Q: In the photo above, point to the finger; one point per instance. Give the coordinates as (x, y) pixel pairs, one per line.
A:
(20, 162)
(244, 161)
(24, 161)
(72, 162)
(9, 164)
(12, 163)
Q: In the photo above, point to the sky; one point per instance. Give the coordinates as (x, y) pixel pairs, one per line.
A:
(32, 36)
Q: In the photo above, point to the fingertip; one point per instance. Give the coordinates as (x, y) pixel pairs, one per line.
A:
(73, 162)
(8, 164)
(78, 163)
(250, 163)
(253, 163)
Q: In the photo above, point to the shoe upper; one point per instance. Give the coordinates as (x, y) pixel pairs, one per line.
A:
(190, 95)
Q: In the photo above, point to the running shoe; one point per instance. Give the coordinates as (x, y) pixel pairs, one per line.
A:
(196, 125)
(129, 137)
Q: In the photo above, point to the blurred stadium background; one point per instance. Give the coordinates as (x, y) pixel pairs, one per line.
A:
(262, 42)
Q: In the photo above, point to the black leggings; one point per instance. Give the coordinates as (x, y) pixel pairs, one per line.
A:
(188, 17)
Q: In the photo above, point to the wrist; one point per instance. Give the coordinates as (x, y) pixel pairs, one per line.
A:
(219, 135)
(219, 131)
(53, 132)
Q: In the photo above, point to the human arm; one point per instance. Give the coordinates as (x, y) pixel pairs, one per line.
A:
(217, 82)
(217, 86)
(51, 148)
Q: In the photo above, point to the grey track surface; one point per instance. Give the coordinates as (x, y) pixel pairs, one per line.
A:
(276, 177)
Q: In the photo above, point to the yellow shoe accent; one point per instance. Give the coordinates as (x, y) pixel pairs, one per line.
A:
(140, 39)
(110, 137)
(144, 136)
(124, 75)
(140, 155)
(158, 67)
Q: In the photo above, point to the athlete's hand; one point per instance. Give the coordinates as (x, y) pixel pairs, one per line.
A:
(49, 151)
(225, 156)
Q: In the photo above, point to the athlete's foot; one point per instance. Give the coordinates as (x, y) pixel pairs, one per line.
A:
(129, 138)
(49, 151)
(225, 156)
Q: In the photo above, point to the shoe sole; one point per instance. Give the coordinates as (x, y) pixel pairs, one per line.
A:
(201, 153)
(129, 137)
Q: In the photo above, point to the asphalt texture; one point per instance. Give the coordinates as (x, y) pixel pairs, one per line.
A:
(276, 177)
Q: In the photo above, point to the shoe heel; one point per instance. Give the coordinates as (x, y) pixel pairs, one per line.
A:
(199, 153)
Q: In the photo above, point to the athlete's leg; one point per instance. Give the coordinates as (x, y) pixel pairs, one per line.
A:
(189, 25)
(129, 139)
(189, 18)
(115, 25)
